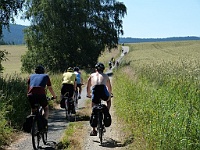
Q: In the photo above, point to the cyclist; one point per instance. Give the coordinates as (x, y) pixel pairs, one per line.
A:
(68, 83)
(79, 81)
(101, 89)
(36, 90)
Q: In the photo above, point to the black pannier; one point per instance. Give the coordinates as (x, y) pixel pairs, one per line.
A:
(28, 124)
(106, 116)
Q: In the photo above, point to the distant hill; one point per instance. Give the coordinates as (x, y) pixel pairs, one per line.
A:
(16, 36)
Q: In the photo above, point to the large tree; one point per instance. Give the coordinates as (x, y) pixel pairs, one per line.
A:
(71, 32)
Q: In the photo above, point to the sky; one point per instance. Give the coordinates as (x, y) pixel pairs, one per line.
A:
(159, 18)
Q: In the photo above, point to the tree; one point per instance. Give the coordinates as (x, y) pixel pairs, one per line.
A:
(8, 9)
(69, 33)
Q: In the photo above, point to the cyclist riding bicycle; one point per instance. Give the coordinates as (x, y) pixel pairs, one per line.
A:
(68, 83)
(79, 81)
(36, 90)
(101, 89)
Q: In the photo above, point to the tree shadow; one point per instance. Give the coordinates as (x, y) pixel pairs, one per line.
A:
(111, 143)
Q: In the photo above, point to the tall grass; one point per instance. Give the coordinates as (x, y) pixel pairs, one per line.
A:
(161, 98)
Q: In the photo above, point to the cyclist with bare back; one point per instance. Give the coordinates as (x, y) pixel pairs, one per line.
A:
(101, 89)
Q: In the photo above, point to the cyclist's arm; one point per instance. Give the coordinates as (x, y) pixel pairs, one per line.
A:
(108, 84)
(88, 86)
(51, 91)
(75, 85)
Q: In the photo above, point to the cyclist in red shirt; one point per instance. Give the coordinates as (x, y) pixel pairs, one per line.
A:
(37, 84)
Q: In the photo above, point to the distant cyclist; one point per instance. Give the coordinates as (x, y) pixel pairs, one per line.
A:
(79, 81)
(68, 83)
(36, 90)
(101, 88)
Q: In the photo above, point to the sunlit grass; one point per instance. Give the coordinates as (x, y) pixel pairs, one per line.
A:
(158, 89)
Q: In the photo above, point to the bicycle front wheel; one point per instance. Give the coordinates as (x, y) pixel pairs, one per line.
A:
(35, 135)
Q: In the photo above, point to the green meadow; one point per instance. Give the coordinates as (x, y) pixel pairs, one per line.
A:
(157, 95)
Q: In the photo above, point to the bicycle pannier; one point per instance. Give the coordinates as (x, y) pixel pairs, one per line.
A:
(28, 124)
(62, 103)
(107, 117)
(93, 118)
(42, 123)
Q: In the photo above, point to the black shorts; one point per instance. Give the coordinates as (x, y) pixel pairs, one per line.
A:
(79, 85)
(99, 92)
(37, 99)
(67, 88)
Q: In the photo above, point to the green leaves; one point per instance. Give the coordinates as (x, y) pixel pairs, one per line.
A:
(72, 33)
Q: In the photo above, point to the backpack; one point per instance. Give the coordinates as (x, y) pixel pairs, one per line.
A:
(27, 125)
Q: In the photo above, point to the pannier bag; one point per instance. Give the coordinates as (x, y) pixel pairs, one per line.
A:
(28, 124)
(62, 103)
(93, 120)
(42, 123)
(107, 117)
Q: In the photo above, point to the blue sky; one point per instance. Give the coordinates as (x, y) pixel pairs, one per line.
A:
(159, 18)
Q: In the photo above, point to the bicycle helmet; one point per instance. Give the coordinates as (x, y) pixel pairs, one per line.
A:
(39, 69)
(76, 69)
(100, 66)
(70, 69)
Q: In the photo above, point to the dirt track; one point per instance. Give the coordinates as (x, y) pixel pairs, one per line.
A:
(113, 137)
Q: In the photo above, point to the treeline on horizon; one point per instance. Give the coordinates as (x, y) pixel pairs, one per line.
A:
(138, 40)
(16, 37)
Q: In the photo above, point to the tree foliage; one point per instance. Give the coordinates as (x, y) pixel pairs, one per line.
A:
(69, 33)
(8, 9)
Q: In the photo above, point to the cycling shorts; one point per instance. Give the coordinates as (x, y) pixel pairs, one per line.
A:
(79, 85)
(99, 92)
(37, 99)
(67, 88)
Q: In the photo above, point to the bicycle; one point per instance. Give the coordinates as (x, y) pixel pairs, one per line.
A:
(100, 108)
(76, 96)
(69, 107)
(38, 131)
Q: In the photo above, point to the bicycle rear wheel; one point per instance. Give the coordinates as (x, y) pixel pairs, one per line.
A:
(100, 128)
(35, 135)
(44, 137)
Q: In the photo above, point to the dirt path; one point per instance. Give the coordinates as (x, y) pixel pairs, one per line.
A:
(113, 137)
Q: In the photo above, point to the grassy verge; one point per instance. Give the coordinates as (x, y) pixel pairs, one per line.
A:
(158, 96)
(73, 138)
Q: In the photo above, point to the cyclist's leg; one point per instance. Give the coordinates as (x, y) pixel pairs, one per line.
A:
(32, 100)
(44, 104)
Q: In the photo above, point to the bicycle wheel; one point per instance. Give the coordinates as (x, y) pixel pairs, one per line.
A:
(76, 99)
(44, 137)
(100, 127)
(35, 135)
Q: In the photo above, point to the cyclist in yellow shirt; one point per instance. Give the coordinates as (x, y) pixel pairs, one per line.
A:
(68, 83)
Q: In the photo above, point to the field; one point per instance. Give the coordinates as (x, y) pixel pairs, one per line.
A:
(13, 64)
(157, 93)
